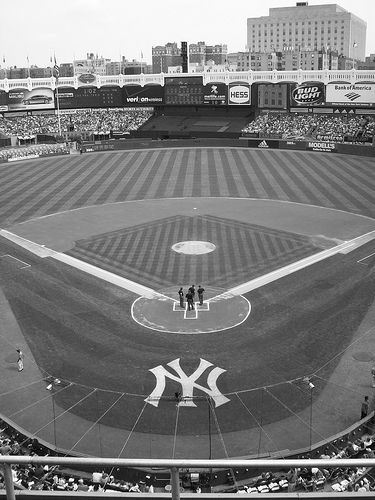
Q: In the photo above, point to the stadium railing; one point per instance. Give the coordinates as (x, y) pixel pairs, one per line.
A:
(175, 466)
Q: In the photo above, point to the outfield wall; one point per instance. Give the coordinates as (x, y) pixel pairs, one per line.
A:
(178, 141)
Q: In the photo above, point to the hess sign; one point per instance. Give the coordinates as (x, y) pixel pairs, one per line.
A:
(239, 94)
(309, 93)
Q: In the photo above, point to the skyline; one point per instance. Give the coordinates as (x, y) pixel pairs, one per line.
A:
(94, 26)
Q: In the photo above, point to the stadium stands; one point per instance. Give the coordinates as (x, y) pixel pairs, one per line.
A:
(97, 121)
(318, 127)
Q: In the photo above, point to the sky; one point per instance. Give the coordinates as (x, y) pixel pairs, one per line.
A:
(113, 28)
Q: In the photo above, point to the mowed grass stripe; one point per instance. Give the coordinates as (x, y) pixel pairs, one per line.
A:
(291, 175)
(157, 170)
(189, 187)
(130, 175)
(172, 180)
(169, 159)
(212, 173)
(364, 167)
(25, 175)
(181, 177)
(251, 167)
(315, 191)
(364, 194)
(162, 260)
(156, 249)
(85, 190)
(245, 181)
(105, 189)
(44, 178)
(338, 192)
(265, 177)
(24, 204)
(131, 180)
(284, 179)
(270, 174)
(236, 182)
(205, 187)
(222, 177)
(349, 191)
(364, 173)
(145, 177)
(197, 181)
(67, 198)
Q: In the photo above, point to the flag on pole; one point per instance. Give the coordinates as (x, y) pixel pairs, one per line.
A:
(56, 70)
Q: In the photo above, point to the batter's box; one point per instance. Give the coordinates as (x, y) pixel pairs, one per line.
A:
(204, 307)
(193, 313)
(19, 263)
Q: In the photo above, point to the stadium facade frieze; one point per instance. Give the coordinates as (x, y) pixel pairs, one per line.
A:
(349, 77)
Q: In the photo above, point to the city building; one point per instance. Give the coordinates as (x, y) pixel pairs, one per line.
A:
(66, 69)
(368, 64)
(304, 27)
(201, 53)
(92, 64)
(287, 60)
(164, 56)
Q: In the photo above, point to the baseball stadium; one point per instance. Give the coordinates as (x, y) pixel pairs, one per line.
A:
(271, 211)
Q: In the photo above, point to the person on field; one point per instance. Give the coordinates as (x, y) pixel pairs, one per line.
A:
(20, 360)
(181, 295)
(200, 294)
(190, 300)
(192, 290)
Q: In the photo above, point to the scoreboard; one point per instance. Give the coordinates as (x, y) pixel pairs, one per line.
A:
(90, 97)
(179, 90)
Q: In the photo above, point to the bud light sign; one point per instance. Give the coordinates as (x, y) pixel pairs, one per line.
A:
(310, 93)
(239, 94)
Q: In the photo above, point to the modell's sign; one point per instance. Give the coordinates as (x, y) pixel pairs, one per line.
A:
(321, 146)
(239, 94)
(309, 93)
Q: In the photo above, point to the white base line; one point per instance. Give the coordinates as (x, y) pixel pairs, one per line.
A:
(19, 260)
(344, 248)
(367, 257)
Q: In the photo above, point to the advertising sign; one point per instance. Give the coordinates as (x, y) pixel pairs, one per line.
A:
(346, 94)
(149, 95)
(321, 146)
(90, 97)
(87, 78)
(3, 101)
(239, 94)
(215, 94)
(307, 94)
(22, 99)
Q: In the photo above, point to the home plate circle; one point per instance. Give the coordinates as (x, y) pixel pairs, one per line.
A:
(219, 311)
(193, 247)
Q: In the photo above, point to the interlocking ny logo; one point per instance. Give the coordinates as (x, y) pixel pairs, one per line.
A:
(188, 383)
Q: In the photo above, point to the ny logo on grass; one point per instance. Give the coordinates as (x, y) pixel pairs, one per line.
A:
(188, 383)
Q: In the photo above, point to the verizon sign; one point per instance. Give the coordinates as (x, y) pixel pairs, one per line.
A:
(346, 94)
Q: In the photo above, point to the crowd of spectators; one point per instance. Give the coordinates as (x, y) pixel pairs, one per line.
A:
(352, 128)
(33, 151)
(55, 478)
(95, 121)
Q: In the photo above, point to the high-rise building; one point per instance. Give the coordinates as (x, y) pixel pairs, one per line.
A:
(92, 64)
(201, 53)
(287, 60)
(305, 27)
(164, 56)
